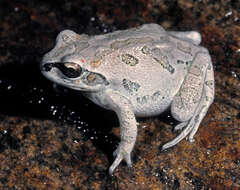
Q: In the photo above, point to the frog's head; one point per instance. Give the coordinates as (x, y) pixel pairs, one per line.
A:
(65, 66)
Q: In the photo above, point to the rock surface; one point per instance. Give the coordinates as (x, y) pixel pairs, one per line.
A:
(52, 140)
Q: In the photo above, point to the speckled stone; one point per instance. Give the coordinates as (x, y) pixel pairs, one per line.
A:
(51, 140)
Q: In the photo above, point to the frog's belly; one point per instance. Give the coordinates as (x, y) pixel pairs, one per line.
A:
(150, 105)
(151, 110)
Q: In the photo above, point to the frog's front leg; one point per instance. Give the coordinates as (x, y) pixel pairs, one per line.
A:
(128, 127)
(190, 105)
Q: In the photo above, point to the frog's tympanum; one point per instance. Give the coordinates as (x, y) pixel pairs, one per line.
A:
(138, 72)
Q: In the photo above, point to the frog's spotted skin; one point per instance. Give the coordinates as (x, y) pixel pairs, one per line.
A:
(137, 72)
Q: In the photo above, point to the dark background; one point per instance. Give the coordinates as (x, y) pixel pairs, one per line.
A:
(59, 140)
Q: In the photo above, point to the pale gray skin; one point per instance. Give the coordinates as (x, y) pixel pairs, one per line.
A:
(137, 72)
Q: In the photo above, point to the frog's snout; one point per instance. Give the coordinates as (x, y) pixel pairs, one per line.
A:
(46, 67)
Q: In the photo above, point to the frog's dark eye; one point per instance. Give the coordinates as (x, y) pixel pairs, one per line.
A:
(70, 70)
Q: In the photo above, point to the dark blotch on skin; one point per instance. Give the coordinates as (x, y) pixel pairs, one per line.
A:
(156, 96)
(130, 86)
(143, 100)
(129, 59)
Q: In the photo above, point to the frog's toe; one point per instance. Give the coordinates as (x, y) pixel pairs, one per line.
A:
(180, 137)
(120, 155)
(115, 164)
(128, 160)
(180, 126)
(191, 140)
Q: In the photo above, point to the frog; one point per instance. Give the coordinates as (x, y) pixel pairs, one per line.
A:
(137, 72)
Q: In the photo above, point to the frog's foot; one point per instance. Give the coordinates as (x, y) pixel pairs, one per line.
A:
(190, 105)
(123, 152)
(187, 128)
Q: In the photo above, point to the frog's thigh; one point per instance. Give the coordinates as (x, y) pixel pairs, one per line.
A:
(188, 98)
(194, 103)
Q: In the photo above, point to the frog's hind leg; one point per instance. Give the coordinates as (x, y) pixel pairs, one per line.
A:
(190, 105)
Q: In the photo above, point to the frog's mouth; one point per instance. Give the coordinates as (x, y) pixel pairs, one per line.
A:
(69, 69)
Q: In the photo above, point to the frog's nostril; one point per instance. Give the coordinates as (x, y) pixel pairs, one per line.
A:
(47, 67)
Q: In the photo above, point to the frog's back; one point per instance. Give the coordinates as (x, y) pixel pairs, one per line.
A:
(145, 64)
(147, 30)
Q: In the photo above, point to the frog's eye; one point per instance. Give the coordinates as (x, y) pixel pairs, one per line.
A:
(71, 70)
